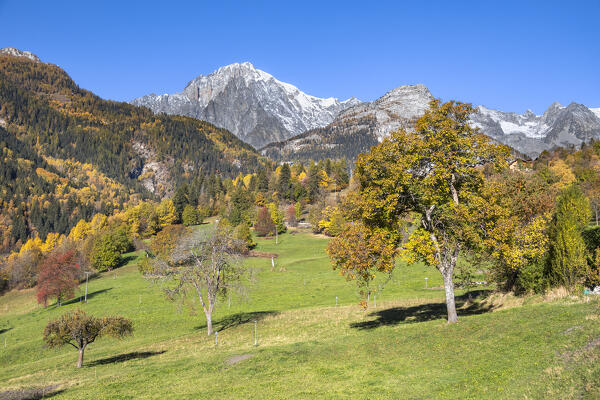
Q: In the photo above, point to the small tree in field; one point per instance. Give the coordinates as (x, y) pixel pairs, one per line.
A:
(79, 330)
(207, 263)
(58, 276)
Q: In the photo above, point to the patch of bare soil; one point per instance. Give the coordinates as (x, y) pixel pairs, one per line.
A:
(236, 359)
(263, 254)
(592, 344)
(31, 393)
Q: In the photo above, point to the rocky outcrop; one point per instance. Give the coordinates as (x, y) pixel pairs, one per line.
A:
(11, 51)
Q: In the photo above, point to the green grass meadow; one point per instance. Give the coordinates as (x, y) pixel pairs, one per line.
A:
(308, 348)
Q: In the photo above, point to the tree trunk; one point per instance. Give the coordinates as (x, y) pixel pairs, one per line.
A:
(209, 326)
(449, 289)
(80, 359)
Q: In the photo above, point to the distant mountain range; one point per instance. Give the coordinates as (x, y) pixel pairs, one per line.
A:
(531, 134)
(358, 128)
(249, 102)
(288, 124)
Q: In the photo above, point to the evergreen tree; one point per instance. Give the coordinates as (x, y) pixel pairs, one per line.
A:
(568, 251)
(180, 200)
(284, 182)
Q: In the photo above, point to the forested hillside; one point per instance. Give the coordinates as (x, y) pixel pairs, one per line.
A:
(67, 153)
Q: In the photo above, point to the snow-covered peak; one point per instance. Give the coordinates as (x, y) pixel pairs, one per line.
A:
(251, 103)
(11, 51)
(531, 134)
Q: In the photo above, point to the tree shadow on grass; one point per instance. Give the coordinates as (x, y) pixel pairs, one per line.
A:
(425, 312)
(89, 296)
(231, 321)
(126, 260)
(31, 393)
(125, 357)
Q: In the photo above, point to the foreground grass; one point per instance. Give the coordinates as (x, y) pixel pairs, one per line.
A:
(308, 347)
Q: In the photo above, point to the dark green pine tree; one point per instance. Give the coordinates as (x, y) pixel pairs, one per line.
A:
(180, 200)
(284, 182)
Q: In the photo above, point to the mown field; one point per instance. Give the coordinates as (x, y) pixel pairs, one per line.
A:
(308, 348)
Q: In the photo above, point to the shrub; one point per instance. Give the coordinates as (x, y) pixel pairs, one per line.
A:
(242, 232)
(532, 278)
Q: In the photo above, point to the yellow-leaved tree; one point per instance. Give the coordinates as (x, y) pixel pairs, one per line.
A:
(431, 172)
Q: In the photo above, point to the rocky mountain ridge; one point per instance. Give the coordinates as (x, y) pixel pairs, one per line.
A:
(356, 129)
(11, 51)
(251, 103)
(531, 134)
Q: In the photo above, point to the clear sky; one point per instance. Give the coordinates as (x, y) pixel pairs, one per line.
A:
(510, 55)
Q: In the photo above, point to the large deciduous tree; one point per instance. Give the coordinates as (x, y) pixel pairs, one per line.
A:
(431, 172)
(78, 329)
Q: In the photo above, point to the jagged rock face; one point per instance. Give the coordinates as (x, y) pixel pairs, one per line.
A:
(252, 104)
(396, 108)
(356, 129)
(11, 51)
(531, 134)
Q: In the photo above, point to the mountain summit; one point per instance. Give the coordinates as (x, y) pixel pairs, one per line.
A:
(251, 103)
(11, 51)
(357, 128)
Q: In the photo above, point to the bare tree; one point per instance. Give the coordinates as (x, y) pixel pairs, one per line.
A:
(208, 263)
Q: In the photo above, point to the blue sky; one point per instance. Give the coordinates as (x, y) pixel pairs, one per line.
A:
(510, 55)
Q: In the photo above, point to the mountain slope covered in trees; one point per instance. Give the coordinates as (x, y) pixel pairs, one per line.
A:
(67, 154)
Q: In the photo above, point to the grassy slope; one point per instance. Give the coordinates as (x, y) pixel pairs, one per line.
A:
(308, 348)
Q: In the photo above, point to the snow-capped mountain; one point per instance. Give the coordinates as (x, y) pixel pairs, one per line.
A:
(531, 134)
(356, 129)
(11, 51)
(251, 103)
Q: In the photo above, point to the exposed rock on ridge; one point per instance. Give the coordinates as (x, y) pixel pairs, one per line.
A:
(11, 51)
